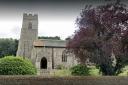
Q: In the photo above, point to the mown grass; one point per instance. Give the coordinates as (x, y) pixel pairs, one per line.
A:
(61, 73)
(94, 72)
(67, 72)
(124, 71)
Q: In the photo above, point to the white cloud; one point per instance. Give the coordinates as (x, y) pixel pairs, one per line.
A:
(56, 28)
(62, 28)
(7, 29)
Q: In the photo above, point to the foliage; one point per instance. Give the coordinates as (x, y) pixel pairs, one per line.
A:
(46, 37)
(11, 65)
(68, 38)
(8, 47)
(83, 70)
(102, 36)
(80, 70)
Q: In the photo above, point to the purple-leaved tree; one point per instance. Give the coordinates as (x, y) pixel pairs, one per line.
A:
(102, 36)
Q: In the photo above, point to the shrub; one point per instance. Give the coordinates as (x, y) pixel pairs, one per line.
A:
(11, 65)
(80, 70)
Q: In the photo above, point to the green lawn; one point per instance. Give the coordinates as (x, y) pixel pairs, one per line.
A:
(94, 72)
(60, 73)
(67, 72)
(124, 71)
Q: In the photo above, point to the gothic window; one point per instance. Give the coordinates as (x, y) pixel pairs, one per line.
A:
(64, 56)
(30, 25)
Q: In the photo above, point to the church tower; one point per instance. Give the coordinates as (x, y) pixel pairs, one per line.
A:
(29, 33)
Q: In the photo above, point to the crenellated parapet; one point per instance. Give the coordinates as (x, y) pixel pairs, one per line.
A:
(30, 16)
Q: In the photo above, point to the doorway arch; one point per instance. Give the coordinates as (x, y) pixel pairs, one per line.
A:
(43, 64)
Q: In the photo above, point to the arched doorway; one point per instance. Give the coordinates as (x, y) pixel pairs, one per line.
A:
(43, 64)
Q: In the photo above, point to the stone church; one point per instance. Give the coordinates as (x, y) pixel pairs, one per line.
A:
(46, 54)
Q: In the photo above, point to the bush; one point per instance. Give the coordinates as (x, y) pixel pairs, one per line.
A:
(80, 70)
(11, 65)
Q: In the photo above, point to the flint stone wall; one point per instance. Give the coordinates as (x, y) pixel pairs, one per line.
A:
(40, 80)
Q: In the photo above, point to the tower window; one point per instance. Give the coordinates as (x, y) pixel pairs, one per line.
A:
(30, 25)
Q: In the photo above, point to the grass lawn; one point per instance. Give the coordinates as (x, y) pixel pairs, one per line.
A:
(61, 73)
(124, 71)
(94, 72)
(67, 72)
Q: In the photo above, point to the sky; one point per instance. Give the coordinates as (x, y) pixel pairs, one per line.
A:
(56, 18)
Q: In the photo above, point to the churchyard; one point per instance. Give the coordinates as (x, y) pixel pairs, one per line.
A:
(96, 54)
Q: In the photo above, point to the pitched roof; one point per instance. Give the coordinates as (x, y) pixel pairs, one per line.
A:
(49, 43)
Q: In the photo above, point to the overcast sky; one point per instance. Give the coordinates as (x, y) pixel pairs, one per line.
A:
(55, 18)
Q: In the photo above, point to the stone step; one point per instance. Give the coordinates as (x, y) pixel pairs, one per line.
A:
(44, 72)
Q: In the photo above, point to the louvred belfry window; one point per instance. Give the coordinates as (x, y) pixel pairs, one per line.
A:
(30, 25)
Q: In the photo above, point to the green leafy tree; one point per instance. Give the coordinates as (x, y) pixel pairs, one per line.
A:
(46, 37)
(8, 46)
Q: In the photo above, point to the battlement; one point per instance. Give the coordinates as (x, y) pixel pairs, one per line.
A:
(30, 16)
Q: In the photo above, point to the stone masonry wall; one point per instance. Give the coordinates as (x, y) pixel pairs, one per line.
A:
(53, 56)
(29, 33)
(39, 80)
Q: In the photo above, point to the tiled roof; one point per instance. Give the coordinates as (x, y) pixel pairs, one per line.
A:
(49, 43)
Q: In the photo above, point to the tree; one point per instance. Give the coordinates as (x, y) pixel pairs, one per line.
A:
(8, 47)
(46, 37)
(102, 36)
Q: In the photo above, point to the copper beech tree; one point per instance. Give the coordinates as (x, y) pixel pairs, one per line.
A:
(102, 37)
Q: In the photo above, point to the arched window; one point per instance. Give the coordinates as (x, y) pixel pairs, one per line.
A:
(43, 63)
(64, 55)
(30, 25)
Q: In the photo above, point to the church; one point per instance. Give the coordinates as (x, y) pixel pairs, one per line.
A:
(45, 54)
